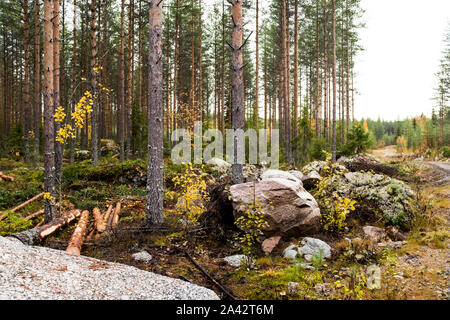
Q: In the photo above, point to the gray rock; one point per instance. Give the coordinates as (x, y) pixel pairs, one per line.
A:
(82, 155)
(393, 244)
(219, 165)
(142, 256)
(374, 192)
(290, 254)
(238, 260)
(312, 246)
(39, 273)
(288, 209)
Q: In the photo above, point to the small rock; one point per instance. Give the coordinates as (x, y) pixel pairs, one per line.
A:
(269, 244)
(142, 256)
(374, 234)
(237, 260)
(292, 288)
(306, 266)
(312, 246)
(290, 254)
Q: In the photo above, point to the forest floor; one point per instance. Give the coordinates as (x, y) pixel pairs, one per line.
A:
(419, 270)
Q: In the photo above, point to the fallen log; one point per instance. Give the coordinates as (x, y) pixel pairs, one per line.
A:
(36, 234)
(34, 215)
(78, 236)
(27, 202)
(5, 177)
(100, 224)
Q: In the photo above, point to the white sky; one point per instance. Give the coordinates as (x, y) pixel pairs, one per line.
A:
(403, 41)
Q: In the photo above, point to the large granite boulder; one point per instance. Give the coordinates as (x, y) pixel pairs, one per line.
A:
(286, 206)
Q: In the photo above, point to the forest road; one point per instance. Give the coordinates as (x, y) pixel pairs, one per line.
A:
(443, 168)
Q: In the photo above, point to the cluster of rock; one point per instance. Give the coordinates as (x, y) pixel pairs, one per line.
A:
(309, 248)
(290, 210)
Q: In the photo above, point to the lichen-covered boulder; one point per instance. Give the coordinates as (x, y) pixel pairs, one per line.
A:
(287, 207)
(385, 197)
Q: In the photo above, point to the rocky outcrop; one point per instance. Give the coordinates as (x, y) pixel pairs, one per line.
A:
(38, 273)
(286, 206)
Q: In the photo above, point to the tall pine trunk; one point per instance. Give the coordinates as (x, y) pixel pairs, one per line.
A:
(333, 19)
(93, 71)
(237, 83)
(154, 209)
(37, 82)
(26, 100)
(49, 133)
(122, 84)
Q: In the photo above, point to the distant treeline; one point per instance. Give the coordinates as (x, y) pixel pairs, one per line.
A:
(420, 134)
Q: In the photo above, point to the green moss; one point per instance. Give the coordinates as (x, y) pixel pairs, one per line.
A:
(12, 224)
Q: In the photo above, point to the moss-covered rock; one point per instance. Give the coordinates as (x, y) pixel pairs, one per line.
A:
(375, 193)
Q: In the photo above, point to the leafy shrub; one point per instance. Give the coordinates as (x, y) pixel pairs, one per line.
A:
(192, 194)
(251, 223)
(335, 214)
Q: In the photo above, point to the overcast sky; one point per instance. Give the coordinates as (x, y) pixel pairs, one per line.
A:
(403, 40)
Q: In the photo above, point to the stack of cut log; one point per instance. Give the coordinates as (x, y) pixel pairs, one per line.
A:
(103, 223)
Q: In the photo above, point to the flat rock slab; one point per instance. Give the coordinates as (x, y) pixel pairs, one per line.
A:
(39, 273)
